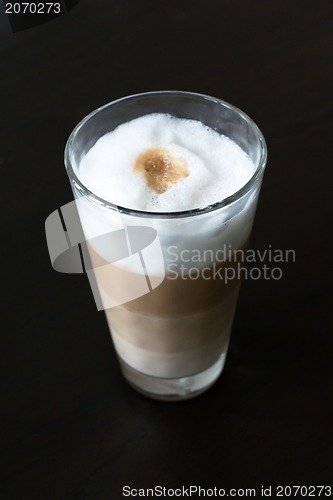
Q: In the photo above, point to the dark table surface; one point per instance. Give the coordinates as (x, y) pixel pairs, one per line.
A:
(71, 427)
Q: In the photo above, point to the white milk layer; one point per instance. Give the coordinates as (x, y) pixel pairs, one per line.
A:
(165, 364)
(217, 166)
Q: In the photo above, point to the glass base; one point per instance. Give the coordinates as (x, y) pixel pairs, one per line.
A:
(173, 389)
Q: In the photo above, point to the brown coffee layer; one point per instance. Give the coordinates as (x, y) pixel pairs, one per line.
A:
(182, 295)
(179, 314)
(175, 332)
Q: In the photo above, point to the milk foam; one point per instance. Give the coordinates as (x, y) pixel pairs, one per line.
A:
(217, 166)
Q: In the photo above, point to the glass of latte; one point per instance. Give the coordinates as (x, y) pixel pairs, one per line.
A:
(166, 185)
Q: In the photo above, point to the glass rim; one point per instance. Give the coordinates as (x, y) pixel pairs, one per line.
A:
(174, 214)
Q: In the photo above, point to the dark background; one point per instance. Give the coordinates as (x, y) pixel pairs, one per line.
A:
(71, 427)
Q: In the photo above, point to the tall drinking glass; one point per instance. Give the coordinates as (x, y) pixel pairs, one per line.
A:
(168, 281)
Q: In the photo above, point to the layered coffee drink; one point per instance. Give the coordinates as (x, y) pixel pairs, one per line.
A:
(187, 183)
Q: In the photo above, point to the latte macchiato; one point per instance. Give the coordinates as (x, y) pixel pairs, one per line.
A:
(171, 174)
